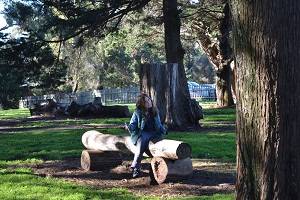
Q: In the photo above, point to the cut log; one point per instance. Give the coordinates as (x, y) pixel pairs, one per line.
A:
(170, 149)
(95, 140)
(164, 169)
(99, 160)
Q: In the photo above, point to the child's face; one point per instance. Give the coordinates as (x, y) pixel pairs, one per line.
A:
(148, 102)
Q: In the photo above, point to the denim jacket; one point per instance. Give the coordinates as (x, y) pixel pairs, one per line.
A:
(137, 124)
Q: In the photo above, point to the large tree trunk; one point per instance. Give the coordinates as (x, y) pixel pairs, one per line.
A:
(162, 83)
(172, 94)
(266, 35)
(173, 46)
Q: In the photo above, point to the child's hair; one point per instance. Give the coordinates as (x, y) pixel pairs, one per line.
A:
(140, 104)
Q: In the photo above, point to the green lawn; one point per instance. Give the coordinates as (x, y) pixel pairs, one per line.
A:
(219, 114)
(34, 146)
(14, 113)
(21, 183)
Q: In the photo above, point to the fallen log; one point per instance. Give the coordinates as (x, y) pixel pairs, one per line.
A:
(99, 160)
(170, 149)
(164, 169)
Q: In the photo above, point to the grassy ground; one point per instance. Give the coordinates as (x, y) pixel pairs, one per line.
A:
(14, 113)
(34, 146)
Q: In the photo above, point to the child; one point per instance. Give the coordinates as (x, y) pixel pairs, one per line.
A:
(144, 126)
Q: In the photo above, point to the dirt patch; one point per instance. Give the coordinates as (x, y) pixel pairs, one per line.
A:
(208, 178)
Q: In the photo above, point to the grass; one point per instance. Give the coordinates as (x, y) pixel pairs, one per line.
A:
(41, 144)
(209, 145)
(22, 184)
(34, 146)
(60, 144)
(72, 122)
(219, 114)
(14, 113)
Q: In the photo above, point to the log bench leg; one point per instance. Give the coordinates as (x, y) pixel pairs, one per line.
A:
(100, 160)
(163, 168)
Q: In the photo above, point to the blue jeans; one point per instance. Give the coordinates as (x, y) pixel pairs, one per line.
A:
(141, 147)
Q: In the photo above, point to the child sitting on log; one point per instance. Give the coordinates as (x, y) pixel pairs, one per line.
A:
(145, 125)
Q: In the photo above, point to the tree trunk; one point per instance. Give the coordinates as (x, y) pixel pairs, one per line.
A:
(164, 169)
(99, 160)
(220, 54)
(173, 100)
(266, 37)
(162, 83)
(173, 46)
(223, 84)
(170, 149)
(223, 87)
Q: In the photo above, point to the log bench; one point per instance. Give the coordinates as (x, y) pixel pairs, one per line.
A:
(170, 158)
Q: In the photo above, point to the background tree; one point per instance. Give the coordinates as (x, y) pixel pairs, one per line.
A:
(197, 65)
(69, 19)
(210, 20)
(266, 35)
(25, 64)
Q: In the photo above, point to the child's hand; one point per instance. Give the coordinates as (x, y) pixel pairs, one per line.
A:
(166, 128)
(126, 127)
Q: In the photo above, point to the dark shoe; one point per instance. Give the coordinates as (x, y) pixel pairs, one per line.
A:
(136, 173)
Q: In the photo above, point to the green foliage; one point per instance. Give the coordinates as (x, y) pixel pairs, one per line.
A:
(197, 64)
(25, 64)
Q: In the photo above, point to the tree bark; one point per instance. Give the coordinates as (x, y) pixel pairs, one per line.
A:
(164, 85)
(223, 86)
(171, 149)
(174, 97)
(220, 54)
(173, 46)
(100, 160)
(164, 169)
(266, 37)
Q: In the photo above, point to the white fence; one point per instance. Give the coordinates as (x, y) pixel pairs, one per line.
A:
(203, 92)
(110, 96)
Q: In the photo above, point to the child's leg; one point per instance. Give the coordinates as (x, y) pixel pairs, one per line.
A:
(141, 146)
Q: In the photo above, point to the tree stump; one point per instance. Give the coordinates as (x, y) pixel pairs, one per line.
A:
(100, 160)
(164, 169)
(167, 86)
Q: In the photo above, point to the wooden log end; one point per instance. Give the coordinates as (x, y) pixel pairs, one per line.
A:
(85, 160)
(183, 151)
(164, 169)
(159, 169)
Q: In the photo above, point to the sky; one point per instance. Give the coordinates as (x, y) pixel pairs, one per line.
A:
(2, 20)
